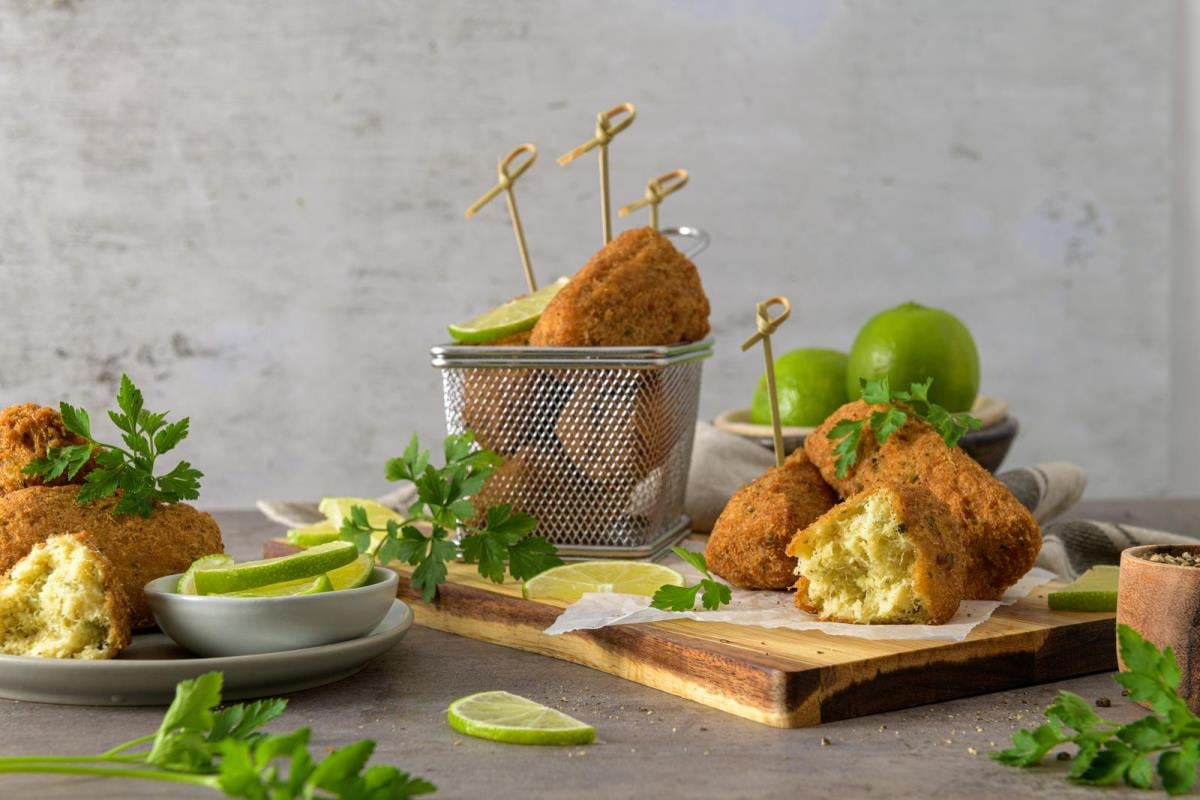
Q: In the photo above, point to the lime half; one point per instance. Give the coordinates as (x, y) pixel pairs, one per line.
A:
(316, 585)
(337, 511)
(253, 574)
(512, 317)
(320, 533)
(505, 717)
(571, 581)
(187, 581)
(1094, 590)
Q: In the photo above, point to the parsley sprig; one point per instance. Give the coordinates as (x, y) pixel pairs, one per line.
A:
(1108, 752)
(713, 593)
(884, 422)
(505, 540)
(224, 749)
(146, 434)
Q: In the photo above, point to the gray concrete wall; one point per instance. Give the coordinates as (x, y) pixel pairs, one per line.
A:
(256, 208)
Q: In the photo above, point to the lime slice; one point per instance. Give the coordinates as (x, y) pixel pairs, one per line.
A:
(571, 581)
(1094, 590)
(504, 717)
(512, 317)
(187, 581)
(252, 574)
(316, 585)
(320, 533)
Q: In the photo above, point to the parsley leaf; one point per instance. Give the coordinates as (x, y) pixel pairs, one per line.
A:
(130, 469)
(713, 594)
(900, 405)
(1109, 752)
(496, 539)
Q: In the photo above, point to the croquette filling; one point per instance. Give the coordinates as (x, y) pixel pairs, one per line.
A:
(859, 566)
(53, 604)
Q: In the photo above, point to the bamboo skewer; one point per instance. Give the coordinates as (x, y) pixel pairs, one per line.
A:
(767, 325)
(505, 184)
(606, 129)
(656, 190)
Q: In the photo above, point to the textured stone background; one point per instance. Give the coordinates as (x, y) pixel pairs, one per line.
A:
(256, 209)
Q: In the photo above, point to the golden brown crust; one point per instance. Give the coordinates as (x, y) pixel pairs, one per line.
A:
(940, 567)
(637, 290)
(116, 601)
(1001, 536)
(27, 431)
(140, 549)
(748, 543)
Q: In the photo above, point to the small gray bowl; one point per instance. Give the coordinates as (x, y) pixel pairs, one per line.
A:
(209, 625)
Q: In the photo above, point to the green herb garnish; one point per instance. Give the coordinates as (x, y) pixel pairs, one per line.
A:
(884, 422)
(147, 435)
(713, 593)
(1108, 751)
(505, 539)
(224, 750)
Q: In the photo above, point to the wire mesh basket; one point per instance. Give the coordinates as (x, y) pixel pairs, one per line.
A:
(596, 441)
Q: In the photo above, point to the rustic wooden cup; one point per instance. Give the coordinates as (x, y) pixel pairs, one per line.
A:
(1162, 603)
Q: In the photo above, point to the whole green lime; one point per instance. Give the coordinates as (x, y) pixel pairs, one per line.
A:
(810, 383)
(912, 342)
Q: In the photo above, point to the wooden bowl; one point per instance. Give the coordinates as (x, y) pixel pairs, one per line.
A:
(989, 445)
(1162, 603)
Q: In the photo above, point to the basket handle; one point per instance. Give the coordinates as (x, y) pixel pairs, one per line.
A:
(699, 239)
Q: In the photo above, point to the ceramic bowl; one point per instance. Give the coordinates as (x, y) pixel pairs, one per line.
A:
(1162, 602)
(209, 625)
(989, 445)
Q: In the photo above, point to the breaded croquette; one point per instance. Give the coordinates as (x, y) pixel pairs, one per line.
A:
(893, 554)
(62, 600)
(748, 543)
(27, 431)
(637, 290)
(140, 550)
(1002, 538)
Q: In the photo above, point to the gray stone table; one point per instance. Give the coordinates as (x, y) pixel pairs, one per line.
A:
(650, 744)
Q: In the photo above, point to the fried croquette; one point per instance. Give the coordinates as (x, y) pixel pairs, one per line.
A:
(892, 554)
(27, 431)
(748, 543)
(62, 600)
(637, 290)
(140, 550)
(1002, 538)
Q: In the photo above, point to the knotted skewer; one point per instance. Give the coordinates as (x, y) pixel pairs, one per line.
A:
(656, 190)
(505, 184)
(766, 326)
(606, 129)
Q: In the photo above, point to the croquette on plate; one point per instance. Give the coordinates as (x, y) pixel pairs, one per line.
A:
(638, 290)
(62, 600)
(893, 554)
(748, 543)
(27, 431)
(140, 550)
(1002, 538)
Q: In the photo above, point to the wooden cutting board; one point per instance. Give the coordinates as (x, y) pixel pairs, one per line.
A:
(788, 679)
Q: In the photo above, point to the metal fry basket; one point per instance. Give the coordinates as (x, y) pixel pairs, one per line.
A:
(596, 441)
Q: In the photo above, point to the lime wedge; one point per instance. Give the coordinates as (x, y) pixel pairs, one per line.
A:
(1094, 590)
(320, 533)
(252, 574)
(504, 717)
(316, 585)
(571, 581)
(512, 317)
(187, 581)
(337, 511)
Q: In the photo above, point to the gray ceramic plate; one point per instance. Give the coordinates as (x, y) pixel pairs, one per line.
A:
(146, 673)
